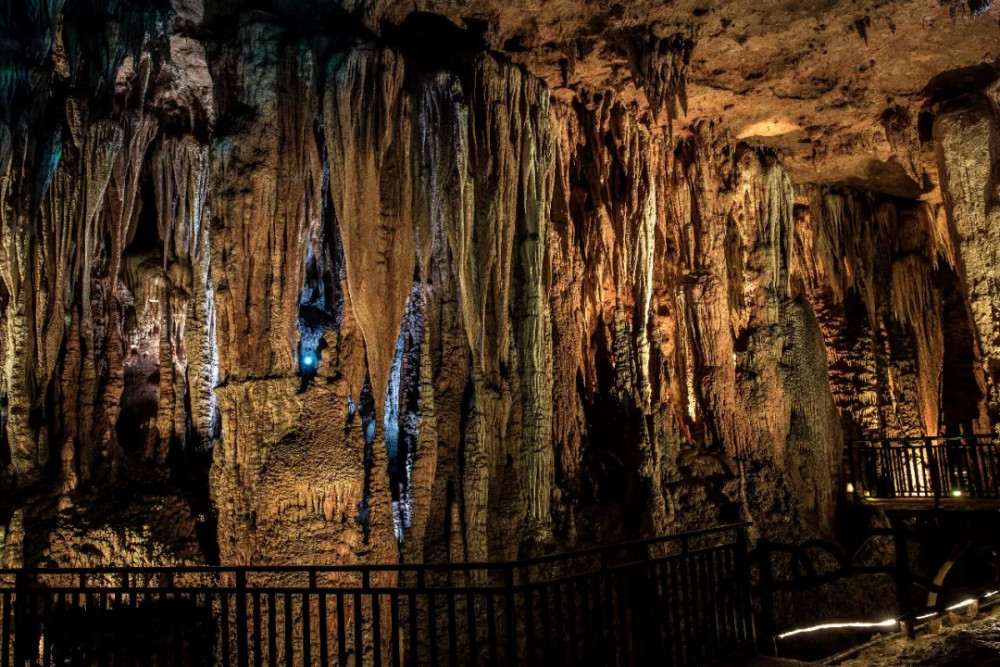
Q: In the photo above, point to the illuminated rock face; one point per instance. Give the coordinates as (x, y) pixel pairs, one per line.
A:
(296, 292)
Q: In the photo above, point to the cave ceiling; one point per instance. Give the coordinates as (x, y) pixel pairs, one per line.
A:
(836, 87)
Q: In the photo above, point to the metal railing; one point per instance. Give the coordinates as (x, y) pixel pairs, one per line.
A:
(786, 571)
(925, 467)
(677, 600)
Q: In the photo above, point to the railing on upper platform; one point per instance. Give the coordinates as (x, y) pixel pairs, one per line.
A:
(677, 600)
(924, 468)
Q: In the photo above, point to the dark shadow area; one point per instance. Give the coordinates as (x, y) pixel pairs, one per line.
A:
(433, 41)
(961, 391)
(177, 627)
(140, 395)
(950, 84)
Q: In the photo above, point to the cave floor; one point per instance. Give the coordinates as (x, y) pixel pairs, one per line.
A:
(975, 642)
(965, 643)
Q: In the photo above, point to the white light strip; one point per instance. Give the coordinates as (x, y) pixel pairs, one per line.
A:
(832, 626)
(880, 624)
(959, 605)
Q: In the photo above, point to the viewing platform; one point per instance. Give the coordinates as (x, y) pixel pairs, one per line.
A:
(950, 473)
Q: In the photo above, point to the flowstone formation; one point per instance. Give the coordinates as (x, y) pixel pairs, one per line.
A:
(323, 283)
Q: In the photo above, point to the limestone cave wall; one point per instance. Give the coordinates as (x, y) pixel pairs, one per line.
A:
(278, 290)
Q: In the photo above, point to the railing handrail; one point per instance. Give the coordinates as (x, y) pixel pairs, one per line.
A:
(379, 567)
(925, 467)
(695, 598)
(807, 573)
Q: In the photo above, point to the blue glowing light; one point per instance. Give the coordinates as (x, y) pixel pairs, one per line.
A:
(308, 360)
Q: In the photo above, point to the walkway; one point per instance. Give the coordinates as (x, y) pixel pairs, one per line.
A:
(680, 599)
(976, 642)
(925, 471)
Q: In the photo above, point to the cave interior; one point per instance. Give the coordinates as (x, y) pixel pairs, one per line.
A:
(370, 282)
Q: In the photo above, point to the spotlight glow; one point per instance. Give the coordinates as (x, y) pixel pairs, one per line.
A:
(308, 360)
(850, 488)
(956, 492)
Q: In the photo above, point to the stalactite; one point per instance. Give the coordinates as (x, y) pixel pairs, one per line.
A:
(422, 460)
(443, 217)
(180, 177)
(532, 320)
(493, 158)
(916, 303)
(264, 209)
(367, 121)
(614, 174)
(99, 148)
(368, 136)
(884, 380)
(568, 336)
(512, 152)
(658, 66)
(308, 464)
(119, 218)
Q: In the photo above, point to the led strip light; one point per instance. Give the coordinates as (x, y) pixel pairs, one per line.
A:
(889, 622)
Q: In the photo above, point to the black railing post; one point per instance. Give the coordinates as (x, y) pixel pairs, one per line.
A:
(902, 576)
(508, 584)
(608, 616)
(990, 449)
(935, 471)
(744, 592)
(20, 618)
(765, 591)
(644, 593)
(979, 461)
(241, 618)
(889, 481)
(855, 482)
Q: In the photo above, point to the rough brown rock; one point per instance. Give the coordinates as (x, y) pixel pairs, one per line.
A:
(540, 276)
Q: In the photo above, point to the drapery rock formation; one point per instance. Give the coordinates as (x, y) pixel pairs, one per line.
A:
(347, 282)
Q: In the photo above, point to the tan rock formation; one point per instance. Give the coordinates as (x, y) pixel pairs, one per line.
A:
(638, 268)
